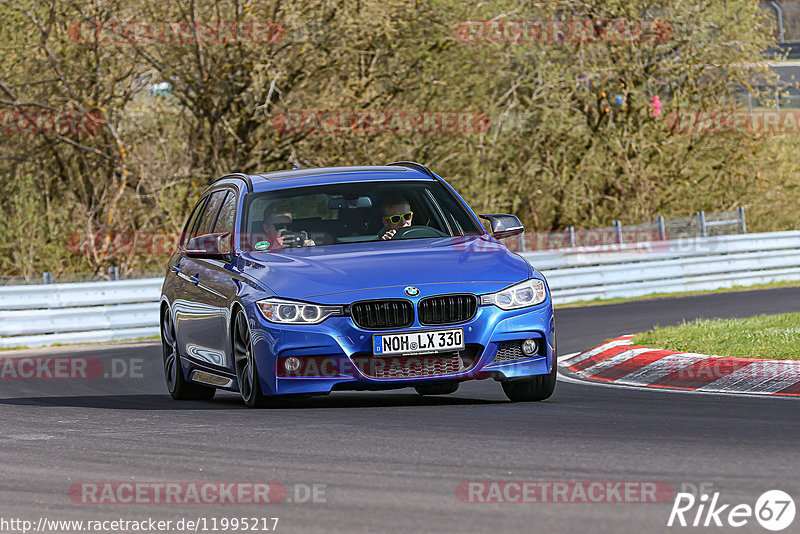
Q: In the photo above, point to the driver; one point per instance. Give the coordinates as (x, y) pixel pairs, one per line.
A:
(277, 222)
(397, 214)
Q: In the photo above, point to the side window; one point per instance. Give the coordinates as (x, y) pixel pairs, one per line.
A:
(192, 222)
(458, 218)
(206, 225)
(227, 214)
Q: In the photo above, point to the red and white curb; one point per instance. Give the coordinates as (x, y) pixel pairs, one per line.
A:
(619, 362)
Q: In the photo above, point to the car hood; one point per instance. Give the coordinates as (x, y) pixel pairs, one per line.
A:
(339, 274)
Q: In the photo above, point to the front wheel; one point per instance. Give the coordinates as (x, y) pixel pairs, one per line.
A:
(246, 371)
(535, 388)
(179, 388)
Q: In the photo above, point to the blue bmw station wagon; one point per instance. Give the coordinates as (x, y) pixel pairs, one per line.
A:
(304, 282)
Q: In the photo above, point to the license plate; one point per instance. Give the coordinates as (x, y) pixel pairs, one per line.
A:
(423, 342)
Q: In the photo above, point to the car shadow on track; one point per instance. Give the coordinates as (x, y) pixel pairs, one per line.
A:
(233, 402)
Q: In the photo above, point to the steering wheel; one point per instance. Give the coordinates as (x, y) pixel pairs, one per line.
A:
(416, 232)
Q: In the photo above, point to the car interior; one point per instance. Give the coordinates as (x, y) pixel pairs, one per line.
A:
(330, 219)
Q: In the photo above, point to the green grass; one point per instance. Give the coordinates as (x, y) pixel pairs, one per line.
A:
(774, 337)
(734, 289)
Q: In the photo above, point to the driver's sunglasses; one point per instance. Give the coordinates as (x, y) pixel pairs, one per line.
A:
(395, 219)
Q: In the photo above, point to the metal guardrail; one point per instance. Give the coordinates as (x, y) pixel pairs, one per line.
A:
(43, 315)
(90, 318)
(661, 229)
(34, 316)
(663, 250)
(80, 294)
(669, 266)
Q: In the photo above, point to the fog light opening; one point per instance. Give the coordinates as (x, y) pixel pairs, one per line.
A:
(530, 347)
(292, 364)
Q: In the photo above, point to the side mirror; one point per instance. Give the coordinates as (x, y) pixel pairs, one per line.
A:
(212, 246)
(503, 225)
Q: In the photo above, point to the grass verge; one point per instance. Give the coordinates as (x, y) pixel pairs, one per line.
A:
(775, 337)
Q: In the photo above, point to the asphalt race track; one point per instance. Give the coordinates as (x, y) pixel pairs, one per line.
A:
(391, 462)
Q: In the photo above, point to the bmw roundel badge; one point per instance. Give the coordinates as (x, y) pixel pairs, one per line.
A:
(412, 291)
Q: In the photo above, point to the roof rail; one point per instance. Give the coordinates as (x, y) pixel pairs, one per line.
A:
(414, 165)
(240, 176)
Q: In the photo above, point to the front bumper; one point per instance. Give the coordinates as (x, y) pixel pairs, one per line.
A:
(342, 356)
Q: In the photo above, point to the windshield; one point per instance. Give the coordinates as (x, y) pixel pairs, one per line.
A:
(351, 213)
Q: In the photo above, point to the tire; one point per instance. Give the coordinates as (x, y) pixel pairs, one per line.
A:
(179, 388)
(535, 388)
(246, 371)
(437, 389)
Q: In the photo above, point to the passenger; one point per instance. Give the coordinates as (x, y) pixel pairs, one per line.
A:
(277, 223)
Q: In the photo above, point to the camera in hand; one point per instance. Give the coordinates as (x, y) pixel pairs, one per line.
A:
(293, 239)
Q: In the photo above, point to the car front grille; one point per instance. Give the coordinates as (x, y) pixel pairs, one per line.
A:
(393, 367)
(382, 314)
(447, 309)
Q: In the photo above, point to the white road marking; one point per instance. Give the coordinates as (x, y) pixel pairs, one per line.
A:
(31, 437)
(660, 368)
(561, 359)
(602, 348)
(614, 360)
(599, 383)
(760, 377)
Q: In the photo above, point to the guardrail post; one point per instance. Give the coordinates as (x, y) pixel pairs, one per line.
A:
(521, 242)
(662, 228)
(701, 223)
(618, 232)
(113, 273)
(47, 277)
(779, 11)
(571, 236)
(742, 221)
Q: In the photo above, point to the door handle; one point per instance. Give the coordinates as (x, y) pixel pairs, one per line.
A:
(193, 279)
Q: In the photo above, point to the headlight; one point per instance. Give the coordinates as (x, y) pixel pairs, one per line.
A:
(528, 293)
(289, 312)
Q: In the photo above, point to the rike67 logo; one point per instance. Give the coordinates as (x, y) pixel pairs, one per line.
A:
(774, 510)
